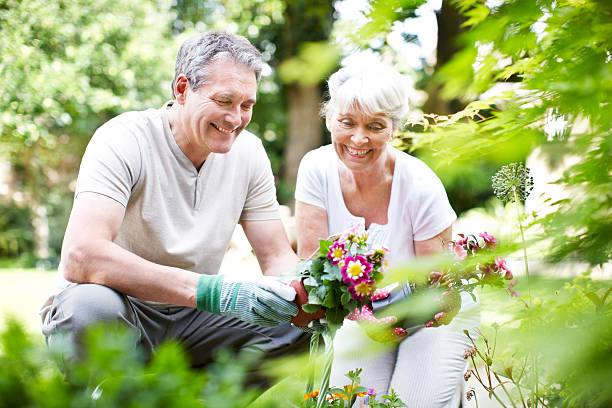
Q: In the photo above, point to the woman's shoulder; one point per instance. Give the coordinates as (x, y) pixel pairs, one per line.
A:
(413, 167)
(318, 160)
(323, 152)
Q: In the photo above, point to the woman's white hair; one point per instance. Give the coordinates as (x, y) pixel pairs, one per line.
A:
(372, 88)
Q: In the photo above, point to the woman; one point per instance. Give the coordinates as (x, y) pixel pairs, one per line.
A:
(361, 179)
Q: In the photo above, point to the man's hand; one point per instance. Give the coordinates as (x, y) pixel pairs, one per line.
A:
(265, 301)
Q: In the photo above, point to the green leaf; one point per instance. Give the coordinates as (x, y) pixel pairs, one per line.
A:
(335, 316)
(321, 292)
(316, 267)
(324, 247)
(310, 282)
(310, 308)
(345, 298)
(331, 272)
(595, 299)
(331, 300)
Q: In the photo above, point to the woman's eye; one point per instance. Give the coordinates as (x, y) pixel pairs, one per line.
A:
(346, 122)
(376, 127)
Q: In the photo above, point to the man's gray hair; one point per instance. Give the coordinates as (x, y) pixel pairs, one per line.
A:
(199, 51)
(371, 88)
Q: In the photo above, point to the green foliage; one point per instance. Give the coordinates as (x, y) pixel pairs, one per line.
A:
(557, 55)
(15, 230)
(67, 67)
(113, 375)
(562, 343)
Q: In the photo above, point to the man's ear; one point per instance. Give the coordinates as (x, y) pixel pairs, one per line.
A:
(180, 89)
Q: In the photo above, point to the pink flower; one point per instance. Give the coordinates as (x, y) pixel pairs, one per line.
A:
(398, 332)
(511, 286)
(365, 314)
(501, 263)
(362, 290)
(355, 269)
(378, 256)
(336, 252)
(460, 252)
(379, 294)
(355, 235)
(462, 241)
(439, 316)
(502, 267)
(434, 277)
(490, 240)
(430, 323)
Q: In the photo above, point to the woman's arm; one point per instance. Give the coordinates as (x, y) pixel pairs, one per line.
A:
(433, 245)
(311, 224)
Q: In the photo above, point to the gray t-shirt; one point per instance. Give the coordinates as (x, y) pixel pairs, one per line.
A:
(174, 214)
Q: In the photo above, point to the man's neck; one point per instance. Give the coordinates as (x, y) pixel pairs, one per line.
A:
(182, 137)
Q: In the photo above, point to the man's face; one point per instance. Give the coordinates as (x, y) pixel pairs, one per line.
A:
(216, 113)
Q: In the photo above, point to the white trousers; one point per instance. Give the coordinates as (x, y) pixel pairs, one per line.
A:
(426, 369)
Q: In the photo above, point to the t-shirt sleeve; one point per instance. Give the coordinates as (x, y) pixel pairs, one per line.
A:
(433, 212)
(310, 184)
(111, 163)
(261, 203)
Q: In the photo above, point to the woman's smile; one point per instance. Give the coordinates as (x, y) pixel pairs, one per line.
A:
(359, 153)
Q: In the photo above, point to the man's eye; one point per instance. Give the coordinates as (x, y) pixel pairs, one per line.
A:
(246, 107)
(223, 102)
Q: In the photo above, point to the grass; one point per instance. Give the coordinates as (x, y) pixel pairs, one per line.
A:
(22, 292)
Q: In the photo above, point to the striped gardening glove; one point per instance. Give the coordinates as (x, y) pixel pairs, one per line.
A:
(264, 302)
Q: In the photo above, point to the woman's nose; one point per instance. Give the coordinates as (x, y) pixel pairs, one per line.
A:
(359, 136)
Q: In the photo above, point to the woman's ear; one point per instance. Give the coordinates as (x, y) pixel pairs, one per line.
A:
(328, 118)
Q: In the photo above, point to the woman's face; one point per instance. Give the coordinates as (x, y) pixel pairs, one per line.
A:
(359, 139)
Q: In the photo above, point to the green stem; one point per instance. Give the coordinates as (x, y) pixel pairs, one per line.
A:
(314, 346)
(520, 223)
(328, 338)
(497, 397)
(504, 388)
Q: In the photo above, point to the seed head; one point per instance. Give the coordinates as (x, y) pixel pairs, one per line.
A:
(510, 179)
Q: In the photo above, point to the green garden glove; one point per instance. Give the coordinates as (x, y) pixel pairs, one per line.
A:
(265, 301)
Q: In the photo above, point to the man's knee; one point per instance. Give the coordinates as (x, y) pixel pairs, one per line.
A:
(80, 306)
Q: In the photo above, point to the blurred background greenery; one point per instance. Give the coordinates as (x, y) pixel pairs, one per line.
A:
(68, 66)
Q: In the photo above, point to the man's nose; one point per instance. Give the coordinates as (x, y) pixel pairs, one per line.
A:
(233, 116)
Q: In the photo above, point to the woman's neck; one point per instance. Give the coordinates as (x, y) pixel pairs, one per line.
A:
(375, 175)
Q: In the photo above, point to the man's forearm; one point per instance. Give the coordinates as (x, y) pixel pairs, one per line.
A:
(280, 264)
(105, 263)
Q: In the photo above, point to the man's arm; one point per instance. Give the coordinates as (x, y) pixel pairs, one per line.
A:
(89, 255)
(433, 245)
(271, 246)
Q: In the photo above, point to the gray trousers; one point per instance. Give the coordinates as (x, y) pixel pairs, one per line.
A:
(202, 334)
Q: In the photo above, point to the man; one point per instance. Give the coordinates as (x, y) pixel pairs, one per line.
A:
(158, 196)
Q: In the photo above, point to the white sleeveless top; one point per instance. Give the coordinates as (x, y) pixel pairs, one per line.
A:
(418, 206)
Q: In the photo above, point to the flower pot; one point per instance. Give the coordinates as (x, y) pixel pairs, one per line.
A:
(301, 298)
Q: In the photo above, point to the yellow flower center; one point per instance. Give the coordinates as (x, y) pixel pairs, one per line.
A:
(355, 268)
(338, 253)
(363, 288)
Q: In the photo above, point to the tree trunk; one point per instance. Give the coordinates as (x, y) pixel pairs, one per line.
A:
(304, 133)
(38, 211)
(449, 28)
